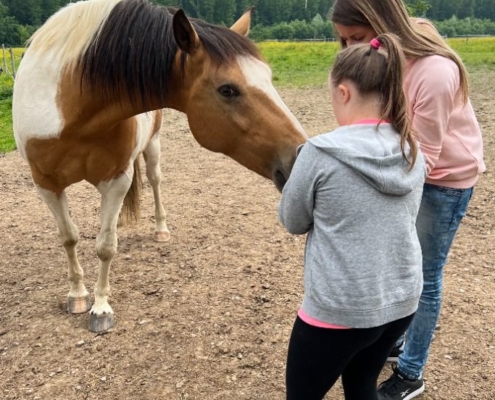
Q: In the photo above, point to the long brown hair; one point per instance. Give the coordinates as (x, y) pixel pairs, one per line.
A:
(390, 16)
(380, 72)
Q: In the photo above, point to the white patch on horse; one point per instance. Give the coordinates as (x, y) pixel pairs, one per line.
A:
(259, 75)
(145, 124)
(36, 113)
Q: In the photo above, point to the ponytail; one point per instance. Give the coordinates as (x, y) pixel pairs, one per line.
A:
(377, 69)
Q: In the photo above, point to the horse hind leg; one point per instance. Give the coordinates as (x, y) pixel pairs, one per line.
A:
(78, 299)
(112, 197)
(154, 174)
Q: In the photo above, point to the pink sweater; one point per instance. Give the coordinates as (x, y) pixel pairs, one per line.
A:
(449, 133)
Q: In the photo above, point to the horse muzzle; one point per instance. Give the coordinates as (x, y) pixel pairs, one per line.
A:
(282, 171)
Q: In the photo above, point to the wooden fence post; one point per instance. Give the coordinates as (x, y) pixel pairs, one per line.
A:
(4, 59)
(13, 62)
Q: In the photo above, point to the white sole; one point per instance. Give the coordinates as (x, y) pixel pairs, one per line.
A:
(417, 392)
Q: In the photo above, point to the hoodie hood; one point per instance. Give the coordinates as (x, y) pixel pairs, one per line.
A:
(375, 154)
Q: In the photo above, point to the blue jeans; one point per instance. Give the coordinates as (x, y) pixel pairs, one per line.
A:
(440, 215)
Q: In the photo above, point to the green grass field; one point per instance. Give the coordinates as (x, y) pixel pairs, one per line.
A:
(308, 64)
(6, 85)
(298, 65)
(6, 139)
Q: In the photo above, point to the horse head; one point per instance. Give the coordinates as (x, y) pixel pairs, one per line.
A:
(231, 104)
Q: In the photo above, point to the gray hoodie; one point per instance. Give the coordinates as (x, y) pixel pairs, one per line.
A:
(352, 192)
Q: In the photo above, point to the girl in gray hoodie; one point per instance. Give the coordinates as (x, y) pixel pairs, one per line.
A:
(356, 191)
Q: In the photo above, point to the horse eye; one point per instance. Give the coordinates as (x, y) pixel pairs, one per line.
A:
(228, 91)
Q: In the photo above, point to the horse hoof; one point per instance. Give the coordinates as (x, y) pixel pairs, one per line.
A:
(101, 323)
(78, 305)
(162, 237)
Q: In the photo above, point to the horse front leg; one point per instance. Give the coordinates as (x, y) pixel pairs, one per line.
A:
(154, 174)
(113, 192)
(78, 299)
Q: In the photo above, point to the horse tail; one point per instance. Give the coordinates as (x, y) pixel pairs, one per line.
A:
(130, 208)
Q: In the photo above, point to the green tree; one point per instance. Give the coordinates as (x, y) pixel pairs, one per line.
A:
(224, 12)
(485, 9)
(241, 6)
(418, 8)
(48, 7)
(466, 9)
(302, 29)
(26, 12)
(9, 34)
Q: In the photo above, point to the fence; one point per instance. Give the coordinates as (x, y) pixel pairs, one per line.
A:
(4, 68)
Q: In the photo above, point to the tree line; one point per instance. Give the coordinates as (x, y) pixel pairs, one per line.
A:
(277, 19)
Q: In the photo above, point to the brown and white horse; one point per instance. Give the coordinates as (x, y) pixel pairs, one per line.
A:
(83, 110)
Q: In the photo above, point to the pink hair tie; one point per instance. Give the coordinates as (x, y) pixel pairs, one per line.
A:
(375, 43)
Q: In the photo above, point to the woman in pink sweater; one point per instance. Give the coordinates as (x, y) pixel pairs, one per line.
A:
(443, 118)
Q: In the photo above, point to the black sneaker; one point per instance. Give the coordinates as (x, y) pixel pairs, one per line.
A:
(398, 387)
(396, 352)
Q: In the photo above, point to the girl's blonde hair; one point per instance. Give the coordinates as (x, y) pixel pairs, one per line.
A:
(390, 16)
(380, 72)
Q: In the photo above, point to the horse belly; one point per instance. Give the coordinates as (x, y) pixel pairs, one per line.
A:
(34, 107)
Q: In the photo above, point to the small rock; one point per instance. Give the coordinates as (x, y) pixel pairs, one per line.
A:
(103, 379)
(80, 343)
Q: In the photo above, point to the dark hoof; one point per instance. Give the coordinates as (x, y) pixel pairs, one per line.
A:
(100, 323)
(78, 305)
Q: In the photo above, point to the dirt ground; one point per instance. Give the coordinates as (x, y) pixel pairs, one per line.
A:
(207, 316)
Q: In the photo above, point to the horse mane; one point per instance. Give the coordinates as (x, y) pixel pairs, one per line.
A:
(132, 54)
(68, 33)
(126, 48)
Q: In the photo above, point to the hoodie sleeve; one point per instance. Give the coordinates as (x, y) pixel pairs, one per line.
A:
(295, 209)
(436, 84)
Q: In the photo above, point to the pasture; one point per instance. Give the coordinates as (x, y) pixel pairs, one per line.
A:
(294, 65)
(208, 315)
(6, 83)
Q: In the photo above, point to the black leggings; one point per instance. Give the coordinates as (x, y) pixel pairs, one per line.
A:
(318, 356)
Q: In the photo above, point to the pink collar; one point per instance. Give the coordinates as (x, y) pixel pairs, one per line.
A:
(369, 121)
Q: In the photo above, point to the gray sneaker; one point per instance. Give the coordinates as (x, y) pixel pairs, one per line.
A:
(397, 387)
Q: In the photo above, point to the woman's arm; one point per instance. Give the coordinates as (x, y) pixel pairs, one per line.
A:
(434, 83)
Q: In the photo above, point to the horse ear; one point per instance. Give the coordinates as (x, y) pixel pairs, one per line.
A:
(186, 37)
(242, 25)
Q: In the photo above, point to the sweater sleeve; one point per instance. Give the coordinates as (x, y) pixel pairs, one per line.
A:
(435, 84)
(297, 203)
